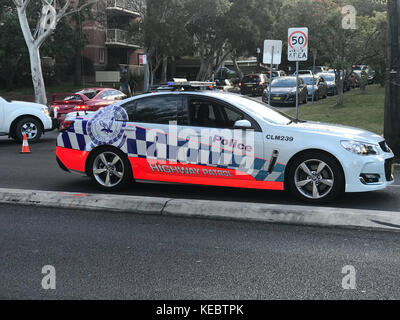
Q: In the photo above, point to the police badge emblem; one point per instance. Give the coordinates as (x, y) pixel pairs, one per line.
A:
(107, 126)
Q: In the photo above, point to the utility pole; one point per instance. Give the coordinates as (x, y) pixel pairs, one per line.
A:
(392, 101)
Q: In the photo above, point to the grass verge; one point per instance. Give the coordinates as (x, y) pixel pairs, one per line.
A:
(359, 110)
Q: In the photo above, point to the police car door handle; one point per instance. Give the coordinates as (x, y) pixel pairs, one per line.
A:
(129, 129)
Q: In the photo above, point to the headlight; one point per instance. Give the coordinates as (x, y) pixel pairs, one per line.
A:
(45, 110)
(360, 148)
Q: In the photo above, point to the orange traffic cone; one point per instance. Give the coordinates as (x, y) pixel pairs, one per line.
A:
(25, 145)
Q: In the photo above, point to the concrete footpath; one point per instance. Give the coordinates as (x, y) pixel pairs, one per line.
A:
(269, 213)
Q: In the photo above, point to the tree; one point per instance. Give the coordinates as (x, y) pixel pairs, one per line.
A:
(13, 62)
(392, 103)
(248, 24)
(338, 47)
(47, 21)
(206, 26)
(164, 33)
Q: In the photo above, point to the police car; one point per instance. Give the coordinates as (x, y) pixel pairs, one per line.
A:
(221, 139)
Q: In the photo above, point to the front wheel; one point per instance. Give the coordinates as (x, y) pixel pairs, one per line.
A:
(29, 126)
(315, 177)
(109, 169)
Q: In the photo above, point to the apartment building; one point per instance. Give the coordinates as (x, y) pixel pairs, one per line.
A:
(112, 40)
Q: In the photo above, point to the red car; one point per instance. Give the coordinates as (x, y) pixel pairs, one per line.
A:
(90, 99)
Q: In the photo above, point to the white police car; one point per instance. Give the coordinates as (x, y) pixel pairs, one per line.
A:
(221, 139)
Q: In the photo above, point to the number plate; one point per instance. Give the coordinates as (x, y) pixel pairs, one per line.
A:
(276, 98)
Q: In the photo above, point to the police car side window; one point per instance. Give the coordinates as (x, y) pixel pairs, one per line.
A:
(160, 109)
(130, 109)
(207, 113)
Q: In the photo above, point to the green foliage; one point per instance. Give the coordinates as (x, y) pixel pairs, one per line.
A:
(64, 45)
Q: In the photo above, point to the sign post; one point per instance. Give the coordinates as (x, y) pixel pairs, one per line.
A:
(272, 54)
(297, 51)
(313, 72)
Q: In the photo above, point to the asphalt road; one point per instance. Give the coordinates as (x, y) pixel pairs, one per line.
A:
(119, 256)
(39, 171)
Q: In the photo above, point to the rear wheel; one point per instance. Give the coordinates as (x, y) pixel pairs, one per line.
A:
(109, 169)
(315, 177)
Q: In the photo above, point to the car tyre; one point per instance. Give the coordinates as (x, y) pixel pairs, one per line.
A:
(31, 126)
(109, 169)
(315, 177)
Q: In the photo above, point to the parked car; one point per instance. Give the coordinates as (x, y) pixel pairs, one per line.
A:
(91, 99)
(283, 91)
(356, 78)
(347, 82)
(277, 73)
(253, 84)
(318, 69)
(18, 118)
(225, 73)
(320, 87)
(227, 86)
(301, 72)
(330, 80)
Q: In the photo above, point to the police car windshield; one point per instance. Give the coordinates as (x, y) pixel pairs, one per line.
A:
(268, 113)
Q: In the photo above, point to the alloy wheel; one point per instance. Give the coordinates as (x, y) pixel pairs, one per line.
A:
(30, 129)
(108, 169)
(314, 179)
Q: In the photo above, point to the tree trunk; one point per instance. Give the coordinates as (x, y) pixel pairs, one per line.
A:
(164, 69)
(34, 56)
(392, 101)
(236, 65)
(173, 67)
(339, 85)
(37, 76)
(202, 70)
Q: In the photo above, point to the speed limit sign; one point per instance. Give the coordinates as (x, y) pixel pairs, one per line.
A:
(298, 44)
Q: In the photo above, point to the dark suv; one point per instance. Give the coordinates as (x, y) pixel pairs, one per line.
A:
(253, 84)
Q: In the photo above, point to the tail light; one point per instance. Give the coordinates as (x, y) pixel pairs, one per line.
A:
(81, 108)
(65, 125)
(240, 84)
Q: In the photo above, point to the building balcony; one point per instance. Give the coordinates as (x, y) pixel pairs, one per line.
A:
(124, 7)
(122, 38)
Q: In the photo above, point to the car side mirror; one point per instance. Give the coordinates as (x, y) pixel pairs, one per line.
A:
(243, 124)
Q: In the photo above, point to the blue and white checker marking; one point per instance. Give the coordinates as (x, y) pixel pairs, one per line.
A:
(141, 144)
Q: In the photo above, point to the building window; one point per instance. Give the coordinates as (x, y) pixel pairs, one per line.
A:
(102, 55)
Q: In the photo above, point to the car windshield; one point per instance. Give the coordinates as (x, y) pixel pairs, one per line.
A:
(72, 98)
(283, 83)
(309, 80)
(328, 77)
(265, 112)
(89, 93)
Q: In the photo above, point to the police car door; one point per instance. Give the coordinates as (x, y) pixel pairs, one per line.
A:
(226, 155)
(151, 132)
